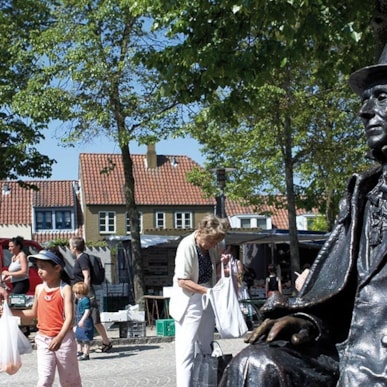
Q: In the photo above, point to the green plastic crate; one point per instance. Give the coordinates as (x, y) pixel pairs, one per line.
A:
(165, 327)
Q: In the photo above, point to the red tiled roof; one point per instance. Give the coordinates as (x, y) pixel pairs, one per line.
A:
(54, 194)
(16, 204)
(165, 185)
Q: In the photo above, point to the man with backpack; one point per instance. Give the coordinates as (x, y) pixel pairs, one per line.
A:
(83, 272)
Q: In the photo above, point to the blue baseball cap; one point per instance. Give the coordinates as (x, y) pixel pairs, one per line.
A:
(46, 255)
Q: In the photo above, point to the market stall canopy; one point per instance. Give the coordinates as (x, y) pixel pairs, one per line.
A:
(232, 238)
(272, 236)
(147, 240)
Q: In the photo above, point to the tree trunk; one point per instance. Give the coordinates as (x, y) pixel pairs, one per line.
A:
(330, 209)
(138, 279)
(292, 215)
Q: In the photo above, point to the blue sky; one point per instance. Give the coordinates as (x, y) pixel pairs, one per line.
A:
(66, 167)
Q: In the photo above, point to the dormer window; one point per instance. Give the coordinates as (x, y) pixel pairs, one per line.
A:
(54, 219)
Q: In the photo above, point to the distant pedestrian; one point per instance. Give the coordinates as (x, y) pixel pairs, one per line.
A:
(82, 273)
(17, 271)
(84, 331)
(53, 308)
(273, 282)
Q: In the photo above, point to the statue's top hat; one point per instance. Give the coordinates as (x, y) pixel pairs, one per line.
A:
(369, 76)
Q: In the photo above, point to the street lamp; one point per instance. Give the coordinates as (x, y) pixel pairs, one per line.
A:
(221, 180)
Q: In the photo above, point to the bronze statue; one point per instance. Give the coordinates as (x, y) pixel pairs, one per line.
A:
(334, 333)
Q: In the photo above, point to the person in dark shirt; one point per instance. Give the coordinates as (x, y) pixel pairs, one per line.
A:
(273, 283)
(81, 273)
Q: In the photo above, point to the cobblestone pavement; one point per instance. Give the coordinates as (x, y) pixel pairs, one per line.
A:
(143, 362)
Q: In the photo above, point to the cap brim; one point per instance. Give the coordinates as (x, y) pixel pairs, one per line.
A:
(45, 255)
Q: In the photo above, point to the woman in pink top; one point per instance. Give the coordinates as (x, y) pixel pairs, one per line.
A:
(53, 307)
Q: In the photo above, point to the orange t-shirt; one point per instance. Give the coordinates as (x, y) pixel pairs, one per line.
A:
(50, 312)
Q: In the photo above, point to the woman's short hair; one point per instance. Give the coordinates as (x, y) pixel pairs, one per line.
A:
(214, 227)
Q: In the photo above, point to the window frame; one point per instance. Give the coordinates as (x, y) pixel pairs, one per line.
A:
(184, 214)
(105, 229)
(157, 220)
(50, 221)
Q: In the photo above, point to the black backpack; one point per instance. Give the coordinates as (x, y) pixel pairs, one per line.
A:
(97, 272)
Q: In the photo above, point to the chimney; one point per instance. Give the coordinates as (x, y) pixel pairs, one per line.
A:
(151, 157)
(6, 189)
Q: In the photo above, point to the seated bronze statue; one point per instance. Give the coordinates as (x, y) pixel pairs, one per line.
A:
(334, 333)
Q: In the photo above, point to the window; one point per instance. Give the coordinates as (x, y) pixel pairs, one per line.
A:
(311, 222)
(54, 220)
(160, 219)
(251, 221)
(107, 221)
(246, 223)
(262, 223)
(62, 220)
(127, 222)
(183, 220)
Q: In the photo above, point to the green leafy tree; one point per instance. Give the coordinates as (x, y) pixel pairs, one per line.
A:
(260, 69)
(89, 50)
(19, 133)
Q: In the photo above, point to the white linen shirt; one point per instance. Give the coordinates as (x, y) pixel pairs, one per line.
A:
(187, 267)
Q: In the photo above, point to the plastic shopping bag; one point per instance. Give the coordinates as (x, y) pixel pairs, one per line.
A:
(11, 342)
(228, 315)
(207, 370)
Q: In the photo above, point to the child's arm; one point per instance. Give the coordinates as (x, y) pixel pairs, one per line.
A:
(28, 315)
(68, 320)
(85, 315)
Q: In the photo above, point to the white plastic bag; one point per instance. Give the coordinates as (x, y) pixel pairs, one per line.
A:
(11, 342)
(23, 344)
(228, 315)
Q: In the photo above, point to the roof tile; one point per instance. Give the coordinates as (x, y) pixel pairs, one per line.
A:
(103, 180)
(17, 202)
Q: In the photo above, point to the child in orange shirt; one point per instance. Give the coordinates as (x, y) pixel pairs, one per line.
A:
(53, 307)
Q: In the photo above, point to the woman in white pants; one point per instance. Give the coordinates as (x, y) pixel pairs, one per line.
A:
(195, 271)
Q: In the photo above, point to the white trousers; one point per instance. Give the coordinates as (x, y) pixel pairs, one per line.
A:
(193, 334)
(64, 360)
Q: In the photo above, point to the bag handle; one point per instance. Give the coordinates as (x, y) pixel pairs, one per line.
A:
(216, 352)
(6, 310)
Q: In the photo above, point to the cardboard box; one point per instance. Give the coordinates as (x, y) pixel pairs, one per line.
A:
(136, 315)
(121, 315)
(167, 291)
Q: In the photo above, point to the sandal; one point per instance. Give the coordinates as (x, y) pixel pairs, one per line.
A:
(104, 348)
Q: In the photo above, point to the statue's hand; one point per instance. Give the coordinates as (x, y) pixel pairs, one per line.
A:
(295, 329)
